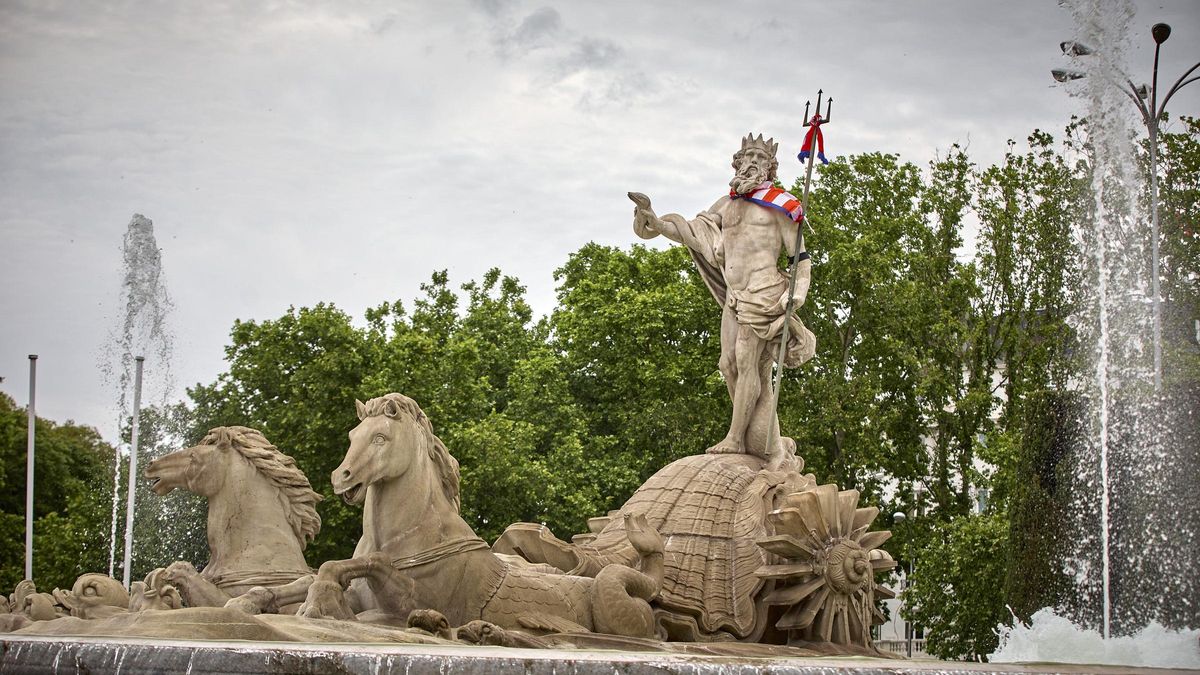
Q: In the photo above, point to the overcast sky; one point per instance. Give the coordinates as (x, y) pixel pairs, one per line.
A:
(297, 152)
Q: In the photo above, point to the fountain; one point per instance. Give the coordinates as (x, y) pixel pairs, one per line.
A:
(142, 330)
(1135, 543)
(731, 553)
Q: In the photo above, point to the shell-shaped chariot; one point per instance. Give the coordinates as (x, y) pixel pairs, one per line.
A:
(750, 554)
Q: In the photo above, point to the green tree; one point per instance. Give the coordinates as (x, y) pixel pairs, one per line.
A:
(854, 409)
(639, 336)
(1028, 262)
(1002, 338)
(1179, 197)
(71, 498)
(961, 560)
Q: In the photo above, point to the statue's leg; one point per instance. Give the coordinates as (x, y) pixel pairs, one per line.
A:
(728, 361)
(195, 590)
(326, 598)
(749, 348)
(269, 600)
(393, 590)
(762, 434)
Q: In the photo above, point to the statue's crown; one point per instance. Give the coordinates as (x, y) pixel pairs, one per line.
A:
(768, 146)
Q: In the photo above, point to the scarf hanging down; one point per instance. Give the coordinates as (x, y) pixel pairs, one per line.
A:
(772, 197)
(814, 134)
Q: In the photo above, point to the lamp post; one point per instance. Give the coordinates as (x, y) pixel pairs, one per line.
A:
(133, 451)
(1146, 100)
(899, 517)
(29, 462)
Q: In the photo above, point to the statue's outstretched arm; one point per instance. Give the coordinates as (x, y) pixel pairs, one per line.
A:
(647, 224)
(702, 234)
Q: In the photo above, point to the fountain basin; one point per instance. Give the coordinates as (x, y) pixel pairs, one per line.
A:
(27, 654)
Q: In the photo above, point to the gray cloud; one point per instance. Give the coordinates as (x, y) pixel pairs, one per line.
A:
(384, 23)
(494, 7)
(555, 52)
(593, 53)
(537, 29)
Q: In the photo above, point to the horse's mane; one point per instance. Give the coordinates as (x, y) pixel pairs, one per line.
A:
(393, 406)
(281, 471)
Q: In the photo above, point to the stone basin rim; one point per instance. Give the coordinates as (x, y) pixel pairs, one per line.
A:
(516, 655)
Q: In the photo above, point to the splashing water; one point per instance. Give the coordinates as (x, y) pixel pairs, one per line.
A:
(142, 330)
(1135, 540)
(1105, 25)
(1050, 638)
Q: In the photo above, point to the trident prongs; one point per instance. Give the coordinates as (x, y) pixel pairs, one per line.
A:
(828, 109)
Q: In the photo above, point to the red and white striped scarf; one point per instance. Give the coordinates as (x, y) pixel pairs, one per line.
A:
(772, 197)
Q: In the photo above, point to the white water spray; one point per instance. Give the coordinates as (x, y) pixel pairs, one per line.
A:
(1129, 493)
(142, 330)
(1050, 638)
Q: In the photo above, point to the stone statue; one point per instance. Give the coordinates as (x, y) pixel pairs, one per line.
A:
(261, 514)
(417, 552)
(154, 593)
(736, 246)
(717, 553)
(741, 539)
(94, 596)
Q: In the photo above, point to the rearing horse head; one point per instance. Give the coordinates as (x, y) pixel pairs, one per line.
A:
(204, 469)
(393, 435)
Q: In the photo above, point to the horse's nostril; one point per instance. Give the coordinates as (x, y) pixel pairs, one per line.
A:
(345, 473)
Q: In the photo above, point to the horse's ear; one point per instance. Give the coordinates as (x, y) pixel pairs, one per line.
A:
(391, 409)
(361, 408)
(224, 437)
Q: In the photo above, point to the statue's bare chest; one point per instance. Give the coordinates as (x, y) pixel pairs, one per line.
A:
(746, 223)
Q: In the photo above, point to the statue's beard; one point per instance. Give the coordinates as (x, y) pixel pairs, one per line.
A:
(747, 179)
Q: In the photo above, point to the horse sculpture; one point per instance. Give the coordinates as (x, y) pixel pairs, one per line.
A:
(417, 552)
(261, 514)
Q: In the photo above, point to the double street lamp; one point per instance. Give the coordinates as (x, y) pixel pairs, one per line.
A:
(1146, 100)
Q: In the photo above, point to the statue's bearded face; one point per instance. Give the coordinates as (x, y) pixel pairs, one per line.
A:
(752, 167)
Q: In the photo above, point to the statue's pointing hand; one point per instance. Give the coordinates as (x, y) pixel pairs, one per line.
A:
(645, 222)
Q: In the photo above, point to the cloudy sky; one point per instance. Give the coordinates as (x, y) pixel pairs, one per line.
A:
(297, 152)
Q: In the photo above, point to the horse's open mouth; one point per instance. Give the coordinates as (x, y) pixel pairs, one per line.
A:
(354, 494)
(156, 485)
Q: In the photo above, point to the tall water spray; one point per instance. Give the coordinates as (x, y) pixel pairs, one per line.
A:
(1134, 546)
(1114, 317)
(142, 330)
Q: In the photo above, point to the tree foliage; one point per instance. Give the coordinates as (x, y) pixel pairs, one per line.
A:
(71, 499)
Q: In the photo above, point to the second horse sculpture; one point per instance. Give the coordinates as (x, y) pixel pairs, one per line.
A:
(417, 552)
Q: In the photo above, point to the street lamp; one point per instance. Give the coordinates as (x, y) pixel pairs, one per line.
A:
(899, 517)
(1151, 114)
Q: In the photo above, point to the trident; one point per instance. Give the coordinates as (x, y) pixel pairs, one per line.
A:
(807, 152)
